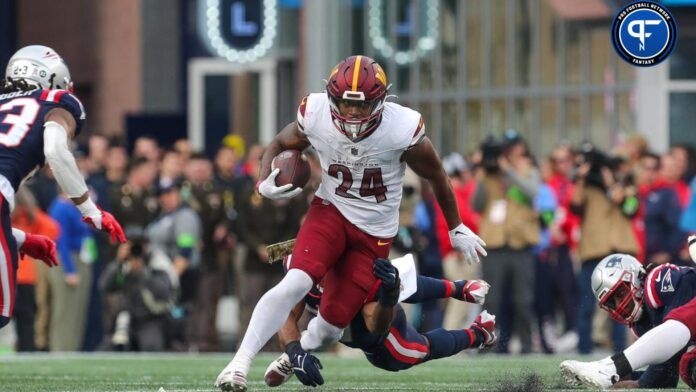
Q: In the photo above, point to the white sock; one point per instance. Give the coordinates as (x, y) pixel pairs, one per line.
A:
(319, 332)
(269, 315)
(658, 345)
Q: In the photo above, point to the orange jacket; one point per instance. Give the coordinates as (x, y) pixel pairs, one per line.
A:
(42, 224)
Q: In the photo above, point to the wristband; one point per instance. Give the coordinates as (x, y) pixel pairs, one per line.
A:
(88, 208)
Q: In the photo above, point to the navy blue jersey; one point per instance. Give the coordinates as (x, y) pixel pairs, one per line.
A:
(665, 288)
(22, 125)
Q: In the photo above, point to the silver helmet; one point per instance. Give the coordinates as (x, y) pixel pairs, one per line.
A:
(617, 283)
(39, 66)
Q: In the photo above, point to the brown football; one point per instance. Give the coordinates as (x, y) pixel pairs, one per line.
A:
(294, 168)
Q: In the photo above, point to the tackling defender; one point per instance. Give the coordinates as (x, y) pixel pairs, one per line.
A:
(364, 144)
(381, 329)
(38, 115)
(659, 304)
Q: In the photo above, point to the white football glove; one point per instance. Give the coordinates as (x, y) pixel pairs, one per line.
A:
(268, 189)
(467, 243)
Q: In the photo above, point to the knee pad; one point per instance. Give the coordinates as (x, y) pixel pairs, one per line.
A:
(4, 321)
(319, 333)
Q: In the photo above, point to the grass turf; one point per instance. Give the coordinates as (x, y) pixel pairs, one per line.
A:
(193, 372)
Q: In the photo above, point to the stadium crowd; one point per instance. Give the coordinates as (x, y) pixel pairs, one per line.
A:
(198, 230)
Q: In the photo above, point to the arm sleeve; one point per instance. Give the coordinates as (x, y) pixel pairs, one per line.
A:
(61, 161)
(19, 236)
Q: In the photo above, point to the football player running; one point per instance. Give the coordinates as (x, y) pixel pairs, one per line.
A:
(38, 116)
(364, 144)
(659, 304)
(381, 329)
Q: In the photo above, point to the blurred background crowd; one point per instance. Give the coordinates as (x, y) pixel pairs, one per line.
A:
(195, 263)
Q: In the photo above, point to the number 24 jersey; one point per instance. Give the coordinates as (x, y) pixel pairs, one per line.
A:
(363, 179)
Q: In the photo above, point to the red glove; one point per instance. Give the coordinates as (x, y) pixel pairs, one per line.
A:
(475, 291)
(107, 223)
(41, 248)
(485, 323)
(687, 367)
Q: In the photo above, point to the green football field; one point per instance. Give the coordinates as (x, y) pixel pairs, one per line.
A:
(194, 372)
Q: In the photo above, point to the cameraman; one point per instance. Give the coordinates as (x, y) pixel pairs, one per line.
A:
(147, 282)
(510, 227)
(606, 205)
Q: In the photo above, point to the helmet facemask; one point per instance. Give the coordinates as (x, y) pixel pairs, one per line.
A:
(624, 300)
(356, 128)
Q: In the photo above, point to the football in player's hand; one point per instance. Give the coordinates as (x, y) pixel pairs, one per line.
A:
(294, 168)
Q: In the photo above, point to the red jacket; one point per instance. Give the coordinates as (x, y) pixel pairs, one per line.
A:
(470, 218)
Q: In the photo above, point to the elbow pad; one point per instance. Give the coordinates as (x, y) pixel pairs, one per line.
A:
(61, 161)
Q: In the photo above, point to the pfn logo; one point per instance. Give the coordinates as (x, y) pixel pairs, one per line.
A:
(640, 33)
(644, 33)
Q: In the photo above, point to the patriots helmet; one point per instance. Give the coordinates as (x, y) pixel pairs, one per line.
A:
(40, 67)
(617, 283)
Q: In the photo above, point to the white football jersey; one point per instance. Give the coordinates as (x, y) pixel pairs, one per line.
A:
(362, 179)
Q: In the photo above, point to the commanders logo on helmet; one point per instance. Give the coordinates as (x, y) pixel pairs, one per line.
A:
(358, 82)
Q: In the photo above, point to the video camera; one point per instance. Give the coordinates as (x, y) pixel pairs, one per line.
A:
(597, 159)
(491, 150)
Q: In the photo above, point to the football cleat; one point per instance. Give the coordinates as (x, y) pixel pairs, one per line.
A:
(279, 371)
(232, 378)
(591, 374)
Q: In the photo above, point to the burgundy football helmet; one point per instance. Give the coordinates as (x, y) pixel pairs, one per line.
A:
(357, 88)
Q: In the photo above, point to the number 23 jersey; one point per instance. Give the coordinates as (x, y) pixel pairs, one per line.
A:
(363, 179)
(22, 127)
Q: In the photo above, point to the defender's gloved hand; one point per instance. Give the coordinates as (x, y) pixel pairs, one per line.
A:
(305, 365)
(390, 288)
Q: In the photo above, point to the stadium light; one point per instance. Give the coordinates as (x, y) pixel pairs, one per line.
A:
(424, 44)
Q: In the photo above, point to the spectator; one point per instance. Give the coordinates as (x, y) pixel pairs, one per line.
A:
(226, 162)
(116, 166)
(212, 206)
(177, 233)
(29, 218)
(70, 283)
(564, 232)
(661, 208)
(606, 207)
(510, 227)
(688, 218)
(686, 161)
(98, 147)
(455, 268)
(147, 282)
(147, 147)
(262, 222)
(183, 147)
(134, 203)
(672, 173)
(171, 168)
(634, 148)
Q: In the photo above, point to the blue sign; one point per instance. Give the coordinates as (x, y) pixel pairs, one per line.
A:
(644, 33)
(241, 22)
